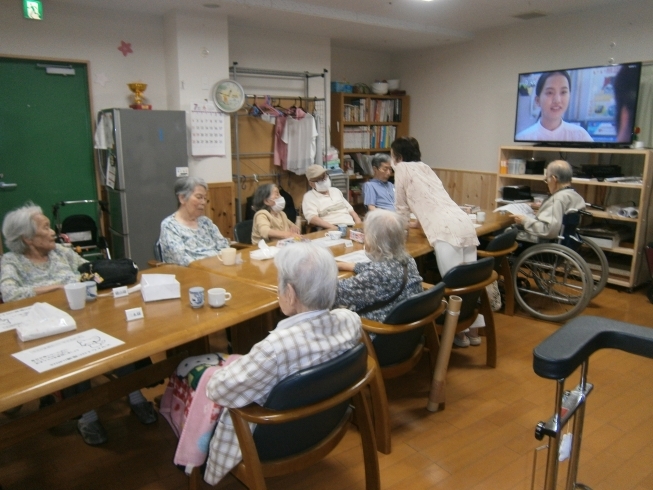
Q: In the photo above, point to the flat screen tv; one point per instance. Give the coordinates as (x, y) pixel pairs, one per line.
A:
(588, 107)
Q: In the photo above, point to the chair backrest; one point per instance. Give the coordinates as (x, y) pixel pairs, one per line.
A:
(502, 242)
(243, 231)
(81, 229)
(568, 233)
(306, 387)
(394, 348)
(158, 254)
(464, 275)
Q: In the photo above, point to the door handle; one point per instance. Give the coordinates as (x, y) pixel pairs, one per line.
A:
(5, 185)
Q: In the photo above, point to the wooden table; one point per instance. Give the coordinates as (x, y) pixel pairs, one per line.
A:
(167, 324)
(263, 273)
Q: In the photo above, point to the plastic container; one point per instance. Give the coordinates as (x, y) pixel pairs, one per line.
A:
(341, 87)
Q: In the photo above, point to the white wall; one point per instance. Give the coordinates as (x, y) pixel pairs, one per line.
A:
(355, 65)
(463, 96)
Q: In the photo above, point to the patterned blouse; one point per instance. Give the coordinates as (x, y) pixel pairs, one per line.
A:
(19, 275)
(420, 190)
(183, 245)
(378, 281)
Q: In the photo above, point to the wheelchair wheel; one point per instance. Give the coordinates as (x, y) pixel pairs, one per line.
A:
(552, 282)
(597, 262)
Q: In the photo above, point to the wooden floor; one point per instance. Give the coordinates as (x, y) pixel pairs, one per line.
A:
(483, 440)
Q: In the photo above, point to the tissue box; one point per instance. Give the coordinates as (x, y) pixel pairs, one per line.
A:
(155, 287)
(357, 236)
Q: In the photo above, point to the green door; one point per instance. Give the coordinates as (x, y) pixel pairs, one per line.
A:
(46, 145)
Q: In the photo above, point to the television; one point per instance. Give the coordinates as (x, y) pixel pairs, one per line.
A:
(587, 107)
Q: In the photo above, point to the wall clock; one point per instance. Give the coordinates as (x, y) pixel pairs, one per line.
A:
(228, 95)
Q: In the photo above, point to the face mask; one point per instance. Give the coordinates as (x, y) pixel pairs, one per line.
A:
(323, 185)
(279, 204)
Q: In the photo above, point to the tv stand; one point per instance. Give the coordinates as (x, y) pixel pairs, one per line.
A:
(627, 261)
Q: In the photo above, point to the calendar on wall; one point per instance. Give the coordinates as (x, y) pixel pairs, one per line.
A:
(207, 129)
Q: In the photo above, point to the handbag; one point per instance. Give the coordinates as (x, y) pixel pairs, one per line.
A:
(112, 272)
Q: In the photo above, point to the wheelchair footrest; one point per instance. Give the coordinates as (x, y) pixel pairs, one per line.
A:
(571, 401)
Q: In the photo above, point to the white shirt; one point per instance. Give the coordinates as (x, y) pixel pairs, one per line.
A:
(301, 136)
(332, 208)
(565, 132)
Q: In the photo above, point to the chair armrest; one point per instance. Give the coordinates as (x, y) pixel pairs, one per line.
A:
(155, 263)
(498, 253)
(239, 246)
(475, 287)
(382, 328)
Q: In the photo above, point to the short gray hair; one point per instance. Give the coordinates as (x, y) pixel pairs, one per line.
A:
(379, 159)
(184, 186)
(385, 236)
(261, 193)
(312, 272)
(19, 224)
(561, 170)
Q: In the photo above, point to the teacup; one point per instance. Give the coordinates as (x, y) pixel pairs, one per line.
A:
(217, 297)
(91, 290)
(228, 256)
(196, 296)
(76, 295)
(333, 234)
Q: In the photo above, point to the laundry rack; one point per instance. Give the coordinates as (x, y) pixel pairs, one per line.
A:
(236, 72)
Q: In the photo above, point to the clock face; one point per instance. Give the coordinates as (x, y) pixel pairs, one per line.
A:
(228, 95)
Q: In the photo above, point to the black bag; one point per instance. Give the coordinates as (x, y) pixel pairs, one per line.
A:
(114, 273)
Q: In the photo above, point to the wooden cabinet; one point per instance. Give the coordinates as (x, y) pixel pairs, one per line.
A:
(368, 124)
(627, 260)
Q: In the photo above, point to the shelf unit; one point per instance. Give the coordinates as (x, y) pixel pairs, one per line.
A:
(628, 267)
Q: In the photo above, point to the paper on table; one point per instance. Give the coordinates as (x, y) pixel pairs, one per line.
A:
(517, 208)
(355, 257)
(64, 351)
(13, 319)
(44, 320)
(328, 242)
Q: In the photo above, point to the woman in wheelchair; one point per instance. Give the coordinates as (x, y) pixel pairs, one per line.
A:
(548, 220)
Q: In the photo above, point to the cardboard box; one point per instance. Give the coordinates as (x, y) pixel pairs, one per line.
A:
(155, 287)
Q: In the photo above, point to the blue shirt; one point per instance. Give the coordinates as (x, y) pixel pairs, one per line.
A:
(379, 194)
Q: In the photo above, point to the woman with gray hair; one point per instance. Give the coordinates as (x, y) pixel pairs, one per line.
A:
(37, 265)
(391, 275)
(311, 335)
(187, 235)
(270, 222)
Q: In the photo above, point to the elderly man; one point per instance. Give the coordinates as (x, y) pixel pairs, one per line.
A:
(379, 192)
(325, 206)
(548, 220)
(311, 335)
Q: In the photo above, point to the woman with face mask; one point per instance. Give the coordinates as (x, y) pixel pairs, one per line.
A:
(270, 222)
(325, 206)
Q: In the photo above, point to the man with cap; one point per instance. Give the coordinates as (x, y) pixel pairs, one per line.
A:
(325, 206)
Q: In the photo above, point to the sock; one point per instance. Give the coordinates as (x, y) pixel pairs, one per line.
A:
(88, 417)
(136, 397)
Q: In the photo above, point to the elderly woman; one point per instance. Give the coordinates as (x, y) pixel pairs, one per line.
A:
(270, 222)
(188, 235)
(389, 278)
(37, 265)
(311, 335)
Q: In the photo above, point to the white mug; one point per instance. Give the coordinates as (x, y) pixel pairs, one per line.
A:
(217, 297)
(480, 217)
(76, 295)
(333, 234)
(196, 296)
(227, 256)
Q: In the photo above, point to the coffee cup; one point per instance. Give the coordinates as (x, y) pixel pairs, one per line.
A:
(91, 290)
(196, 296)
(76, 295)
(228, 256)
(217, 297)
(480, 217)
(343, 230)
(333, 234)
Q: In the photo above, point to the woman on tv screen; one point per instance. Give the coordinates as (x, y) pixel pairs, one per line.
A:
(552, 94)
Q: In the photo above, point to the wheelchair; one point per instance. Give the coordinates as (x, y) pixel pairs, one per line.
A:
(81, 231)
(556, 280)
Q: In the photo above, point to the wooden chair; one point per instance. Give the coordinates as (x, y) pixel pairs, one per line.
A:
(304, 418)
(500, 247)
(158, 260)
(398, 346)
